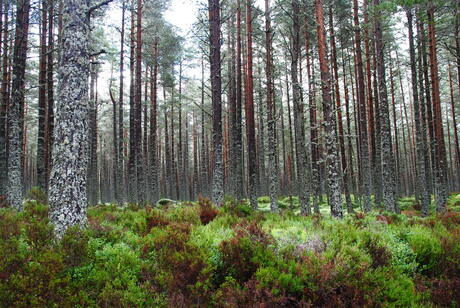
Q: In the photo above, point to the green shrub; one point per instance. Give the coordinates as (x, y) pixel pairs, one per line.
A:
(426, 246)
(263, 199)
(37, 194)
(74, 246)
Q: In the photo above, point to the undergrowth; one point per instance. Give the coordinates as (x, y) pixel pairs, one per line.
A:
(197, 255)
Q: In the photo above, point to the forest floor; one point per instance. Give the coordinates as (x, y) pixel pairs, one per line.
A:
(192, 254)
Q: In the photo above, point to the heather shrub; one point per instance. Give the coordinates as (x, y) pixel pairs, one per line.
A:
(207, 211)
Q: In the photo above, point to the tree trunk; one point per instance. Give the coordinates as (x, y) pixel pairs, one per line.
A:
(138, 102)
(335, 68)
(41, 164)
(299, 121)
(120, 191)
(363, 136)
(154, 174)
(218, 172)
(67, 195)
(249, 112)
(4, 101)
(440, 148)
(454, 124)
(272, 171)
(334, 177)
(16, 108)
(388, 164)
(421, 188)
(132, 167)
(49, 131)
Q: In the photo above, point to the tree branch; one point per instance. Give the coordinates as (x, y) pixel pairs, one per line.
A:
(99, 5)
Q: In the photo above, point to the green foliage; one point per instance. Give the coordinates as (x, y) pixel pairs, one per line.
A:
(37, 194)
(195, 255)
(240, 208)
(426, 246)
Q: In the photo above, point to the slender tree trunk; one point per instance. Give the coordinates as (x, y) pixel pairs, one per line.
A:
(132, 169)
(16, 109)
(429, 107)
(314, 186)
(218, 172)
(67, 195)
(249, 112)
(299, 121)
(93, 188)
(4, 101)
(388, 164)
(272, 170)
(121, 183)
(398, 181)
(335, 69)
(154, 174)
(334, 177)
(423, 115)
(41, 163)
(454, 124)
(363, 145)
(422, 190)
(440, 148)
(138, 102)
(49, 129)
(349, 132)
(237, 138)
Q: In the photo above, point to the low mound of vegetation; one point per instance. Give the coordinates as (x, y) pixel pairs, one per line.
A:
(197, 255)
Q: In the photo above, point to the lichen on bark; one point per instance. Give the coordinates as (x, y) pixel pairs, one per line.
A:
(67, 193)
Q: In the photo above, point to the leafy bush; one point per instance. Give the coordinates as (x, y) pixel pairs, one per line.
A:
(426, 246)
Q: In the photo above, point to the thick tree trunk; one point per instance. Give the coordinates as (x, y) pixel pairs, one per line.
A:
(388, 164)
(16, 108)
(334, 177)
(67, 194)
(216, 86)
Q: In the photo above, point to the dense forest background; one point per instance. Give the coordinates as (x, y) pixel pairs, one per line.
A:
(346, 101)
